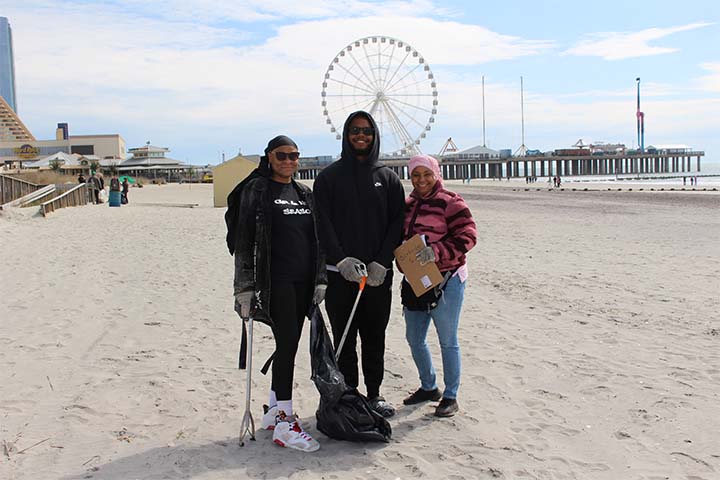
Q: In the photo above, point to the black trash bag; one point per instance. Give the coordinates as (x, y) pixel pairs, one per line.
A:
(343, 413)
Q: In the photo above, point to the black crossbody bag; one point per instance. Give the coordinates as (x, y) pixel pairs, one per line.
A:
(428, 300)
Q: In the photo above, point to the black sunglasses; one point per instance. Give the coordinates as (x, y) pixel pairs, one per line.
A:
(284, 156)
(367, 131)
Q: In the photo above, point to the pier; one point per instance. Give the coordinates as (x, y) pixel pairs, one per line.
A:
(548, 166)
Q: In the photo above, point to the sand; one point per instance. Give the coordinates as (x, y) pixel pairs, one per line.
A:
(590, 338)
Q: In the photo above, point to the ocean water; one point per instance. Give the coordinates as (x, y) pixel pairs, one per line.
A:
(709, 176)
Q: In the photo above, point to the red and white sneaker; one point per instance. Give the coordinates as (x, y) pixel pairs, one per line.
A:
(288, 433)
(268, 419)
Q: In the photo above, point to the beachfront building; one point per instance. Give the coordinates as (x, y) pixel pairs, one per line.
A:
(150, 162)
(72, 163)
(7, 65)
(229, 173)
(19, 148)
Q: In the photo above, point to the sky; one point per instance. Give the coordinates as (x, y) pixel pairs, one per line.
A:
(208, 77)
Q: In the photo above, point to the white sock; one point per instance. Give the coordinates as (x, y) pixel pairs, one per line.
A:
(272, 401)
(285, 406)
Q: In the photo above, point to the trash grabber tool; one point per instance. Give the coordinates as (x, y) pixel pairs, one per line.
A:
(362, 271)
(247, 426)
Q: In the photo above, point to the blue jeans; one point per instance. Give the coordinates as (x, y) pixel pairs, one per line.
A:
(446, 317)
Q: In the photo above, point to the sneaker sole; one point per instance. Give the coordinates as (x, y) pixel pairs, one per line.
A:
(282, 444)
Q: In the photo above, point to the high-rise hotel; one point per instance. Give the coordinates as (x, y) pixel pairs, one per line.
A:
(7, 64)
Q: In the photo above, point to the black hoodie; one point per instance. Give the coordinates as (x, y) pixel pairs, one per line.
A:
(360, 205)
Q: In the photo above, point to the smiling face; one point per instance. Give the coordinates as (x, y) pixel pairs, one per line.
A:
(360, 141)
(283, 170)
(423, 180)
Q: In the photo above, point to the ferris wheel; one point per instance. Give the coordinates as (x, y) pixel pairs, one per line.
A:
(389, 79)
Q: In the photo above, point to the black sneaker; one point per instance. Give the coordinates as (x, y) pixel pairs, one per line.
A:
(420, 395)
(382, 407)
(447, 408)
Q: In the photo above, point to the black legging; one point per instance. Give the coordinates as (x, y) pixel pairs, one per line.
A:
(289, 304)
(371, 320)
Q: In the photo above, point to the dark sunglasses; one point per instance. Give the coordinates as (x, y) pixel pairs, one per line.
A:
(367, 131)
(285, 156)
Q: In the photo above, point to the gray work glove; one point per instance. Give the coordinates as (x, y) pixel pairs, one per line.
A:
(426, 255)
(351, 269)
(243, 302)
(376, 274)
(319, 294)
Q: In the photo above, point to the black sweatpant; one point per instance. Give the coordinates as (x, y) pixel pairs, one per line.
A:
(370, 321)
(289, 305)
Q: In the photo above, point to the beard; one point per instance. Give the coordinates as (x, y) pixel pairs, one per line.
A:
(362, 151)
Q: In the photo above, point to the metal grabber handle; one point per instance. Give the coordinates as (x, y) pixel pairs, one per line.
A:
(247, 426)
(363, 272)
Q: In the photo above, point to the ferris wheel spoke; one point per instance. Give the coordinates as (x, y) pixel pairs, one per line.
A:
(410, 117)
(409, 105)
(370, 65)
(345, 108)
(388, 128)
(389, 64)
(403, 77)
(369, 92)
(402, 62)
(375, 104)
(419, 82)
(402, 131)
(365, 74)
(369, 88)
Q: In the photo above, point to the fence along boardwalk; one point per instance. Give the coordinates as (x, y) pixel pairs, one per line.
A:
(74, 197)
(12, 188)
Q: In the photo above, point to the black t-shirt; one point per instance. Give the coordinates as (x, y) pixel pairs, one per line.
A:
(291, 254)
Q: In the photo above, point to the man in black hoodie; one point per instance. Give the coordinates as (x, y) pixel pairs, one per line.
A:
(361, 205)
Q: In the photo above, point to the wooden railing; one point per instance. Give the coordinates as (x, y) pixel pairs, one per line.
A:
(32, 198)
(12, 188)
(78, 195)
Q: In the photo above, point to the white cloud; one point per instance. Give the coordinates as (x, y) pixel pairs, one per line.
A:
(622, 45)
(711, 81)
(183, 79)
(120, 65)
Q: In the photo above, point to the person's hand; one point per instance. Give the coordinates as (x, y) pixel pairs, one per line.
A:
(351, 269)
(319, 294)
(243, 302)
(426, 255)
(376, 274)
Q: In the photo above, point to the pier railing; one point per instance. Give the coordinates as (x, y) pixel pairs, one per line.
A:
(12, 188)
(76, 196)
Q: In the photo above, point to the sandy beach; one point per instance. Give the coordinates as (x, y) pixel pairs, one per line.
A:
(590, 337)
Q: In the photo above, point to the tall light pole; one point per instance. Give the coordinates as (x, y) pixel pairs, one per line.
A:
(483, 108)
(640, 120)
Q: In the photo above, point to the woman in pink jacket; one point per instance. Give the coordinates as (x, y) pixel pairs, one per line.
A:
(444, 219)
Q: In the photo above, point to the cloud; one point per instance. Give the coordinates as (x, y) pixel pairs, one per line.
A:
(711, 81)
(125, 66)
(619, 46)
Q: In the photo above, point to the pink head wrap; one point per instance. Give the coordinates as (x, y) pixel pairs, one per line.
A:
(425, 161)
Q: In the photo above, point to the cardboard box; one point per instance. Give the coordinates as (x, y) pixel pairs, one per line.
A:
(420, 277)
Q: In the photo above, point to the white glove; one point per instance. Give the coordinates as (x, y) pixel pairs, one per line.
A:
(351, 269)
(243, 302)
(376, 274)
(426, 255)
(319, 294)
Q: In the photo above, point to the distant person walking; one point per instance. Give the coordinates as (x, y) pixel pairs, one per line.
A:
(124, 193)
